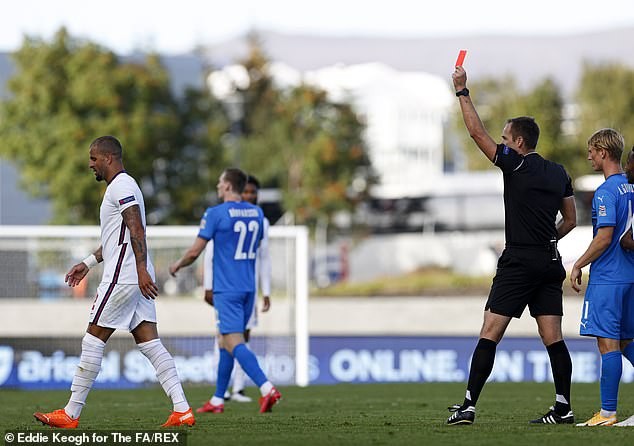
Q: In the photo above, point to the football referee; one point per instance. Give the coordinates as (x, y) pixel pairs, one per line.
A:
(529, 271)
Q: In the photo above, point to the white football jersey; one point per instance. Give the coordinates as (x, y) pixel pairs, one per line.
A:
(118, 256)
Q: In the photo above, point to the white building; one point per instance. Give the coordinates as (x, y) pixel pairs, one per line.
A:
(405, 114)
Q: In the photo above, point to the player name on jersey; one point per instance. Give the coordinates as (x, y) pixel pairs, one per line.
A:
(233, 212)
(625, 188)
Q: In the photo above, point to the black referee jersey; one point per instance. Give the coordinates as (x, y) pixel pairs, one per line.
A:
(533, 192)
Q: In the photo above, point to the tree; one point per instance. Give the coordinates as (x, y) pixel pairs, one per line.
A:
(301, 141)
(606, 99)
(189, 177)
(67, 92)
(499, 99)
(495, 100)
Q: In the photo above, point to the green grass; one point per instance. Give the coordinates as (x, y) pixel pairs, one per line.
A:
(433, 281)
(425, 281)
(371, 414)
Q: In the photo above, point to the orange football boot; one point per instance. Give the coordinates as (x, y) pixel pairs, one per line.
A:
(180, 419)
(57, 418)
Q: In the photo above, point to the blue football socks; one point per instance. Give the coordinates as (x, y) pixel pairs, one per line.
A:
(611, 369)
(225, 367)
(249, 364)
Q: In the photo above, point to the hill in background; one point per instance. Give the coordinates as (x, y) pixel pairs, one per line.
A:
(528, 58)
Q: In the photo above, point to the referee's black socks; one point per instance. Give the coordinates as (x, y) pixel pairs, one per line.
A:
(561, 366)
(481, 366)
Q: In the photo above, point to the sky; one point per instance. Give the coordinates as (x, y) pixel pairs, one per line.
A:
(174, 27)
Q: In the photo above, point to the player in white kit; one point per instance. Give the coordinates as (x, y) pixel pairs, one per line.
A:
(125, 297)
(262, 283)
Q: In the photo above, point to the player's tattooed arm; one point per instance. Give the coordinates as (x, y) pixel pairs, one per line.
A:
(134, 222)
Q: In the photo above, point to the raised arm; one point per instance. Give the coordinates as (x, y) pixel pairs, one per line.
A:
(470, 116)
(569, 217)
(134, 222)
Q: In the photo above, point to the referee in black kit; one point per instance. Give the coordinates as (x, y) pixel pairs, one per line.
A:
(529, 271)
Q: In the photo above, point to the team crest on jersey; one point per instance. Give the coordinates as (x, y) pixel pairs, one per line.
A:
(506, 150)
(126, 199)
(603, 211)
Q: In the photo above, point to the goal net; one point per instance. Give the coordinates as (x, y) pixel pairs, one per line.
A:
(50, 316)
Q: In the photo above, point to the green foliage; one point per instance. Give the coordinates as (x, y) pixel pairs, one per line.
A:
(423, 282)
(302, 142)
(606, 99)
(496, 100)
(190, 176)
(499, 99)
(66, 93)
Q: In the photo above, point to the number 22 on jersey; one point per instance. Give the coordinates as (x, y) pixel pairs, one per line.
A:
(243, 230)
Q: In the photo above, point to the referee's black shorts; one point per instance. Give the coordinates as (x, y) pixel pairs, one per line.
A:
(527, 276)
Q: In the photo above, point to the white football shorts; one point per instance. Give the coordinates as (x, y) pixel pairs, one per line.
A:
(121, 306)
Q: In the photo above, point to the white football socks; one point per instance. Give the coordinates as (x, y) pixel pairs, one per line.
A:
(561, 399)
(266, 388)
(165, 372)
(87, 370)
(239, 377)
(216, 401)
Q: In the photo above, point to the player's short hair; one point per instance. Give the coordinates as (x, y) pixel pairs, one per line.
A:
(253, 180)
(108, 144)
(609, 140)
(236, 177)
(527, 128)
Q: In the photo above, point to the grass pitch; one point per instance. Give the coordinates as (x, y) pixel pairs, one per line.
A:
(369, 414)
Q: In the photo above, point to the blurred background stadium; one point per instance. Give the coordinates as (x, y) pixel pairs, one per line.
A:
(355, 135)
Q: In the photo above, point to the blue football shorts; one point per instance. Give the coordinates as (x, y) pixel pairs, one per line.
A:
(608, 311)
(233, 311)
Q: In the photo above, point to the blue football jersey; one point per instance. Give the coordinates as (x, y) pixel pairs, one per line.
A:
(611, 206)
(236, 229)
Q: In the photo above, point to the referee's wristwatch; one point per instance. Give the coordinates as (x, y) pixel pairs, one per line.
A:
(463, 92)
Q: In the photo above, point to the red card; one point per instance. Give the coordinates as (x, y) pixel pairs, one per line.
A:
(461, 57)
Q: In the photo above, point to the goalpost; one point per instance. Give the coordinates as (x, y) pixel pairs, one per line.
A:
(34, 260)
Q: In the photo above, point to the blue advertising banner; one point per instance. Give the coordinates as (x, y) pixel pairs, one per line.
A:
(443, 359)
(49, 363)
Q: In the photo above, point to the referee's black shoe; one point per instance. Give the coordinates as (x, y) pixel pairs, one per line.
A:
(553, 417)
(461, 415)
